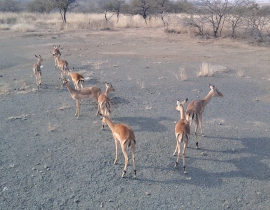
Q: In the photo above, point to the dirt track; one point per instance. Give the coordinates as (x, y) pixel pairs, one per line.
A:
(51, 160)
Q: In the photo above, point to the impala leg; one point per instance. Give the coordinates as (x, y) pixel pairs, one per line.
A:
(98, 111)
(124, 150)
(103, 123)
(40, 76)
(196, 132)
(184, 154)
(81, 83)
(200, 123)
(133, 157)
(176, 136)
(116, 150)
(178, 154)
(77, 108)
(175, 149)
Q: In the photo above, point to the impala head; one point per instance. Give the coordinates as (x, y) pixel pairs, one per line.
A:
(215, 91)
(70, 70)
(40, 59)
(109, 87)
(64, 82)
(180, 104)
(56, 50)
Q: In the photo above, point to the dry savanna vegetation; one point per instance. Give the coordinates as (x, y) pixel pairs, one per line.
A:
(182, 23)
(53, 159)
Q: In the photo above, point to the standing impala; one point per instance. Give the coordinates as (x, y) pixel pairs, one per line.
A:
(182, 133)
(195, 110)
(56, 52)
(77, 78)
(125, 135)
(37, 70)
(104, 102)
(62, 65)
(81, 94)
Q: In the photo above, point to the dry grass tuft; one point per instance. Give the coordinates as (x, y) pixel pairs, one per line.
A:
(148, 107)
(141, 83)
(206, 70)
(64, 106)
(182, 75)
(51, 127)
(22, 117)
(4, 89)
(240, 73)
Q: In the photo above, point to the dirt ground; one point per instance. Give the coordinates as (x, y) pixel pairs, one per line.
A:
(51, 160)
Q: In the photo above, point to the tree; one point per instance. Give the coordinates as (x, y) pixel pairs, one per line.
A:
(113, 6)
(143, 7)
(9, 6)
(258, 19)
(39, 6)
(195, 20)
(162, 6)
(64, 6)
(217, 11)
(237, 19)
(116, 7)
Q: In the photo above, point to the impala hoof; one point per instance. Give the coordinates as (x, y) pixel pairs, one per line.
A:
(124, 173)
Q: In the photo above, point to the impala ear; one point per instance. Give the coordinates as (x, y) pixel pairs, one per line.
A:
(178, 103)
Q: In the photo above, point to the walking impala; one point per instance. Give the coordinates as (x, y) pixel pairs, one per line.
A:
(62, 65)
(195, 109)
(77, 78)
(182, 133)
(104, 102)
(56, 52)
(81, 94)
(37, 70)
(125, 135)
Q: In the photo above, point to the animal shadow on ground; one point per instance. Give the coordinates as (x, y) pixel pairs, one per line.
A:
(119, 100)
(141, 124)
(247, 162)
(91, 82)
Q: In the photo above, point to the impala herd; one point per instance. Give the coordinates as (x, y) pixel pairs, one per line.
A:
(121, 132)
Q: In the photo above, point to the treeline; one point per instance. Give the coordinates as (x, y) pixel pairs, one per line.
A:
(215, 18)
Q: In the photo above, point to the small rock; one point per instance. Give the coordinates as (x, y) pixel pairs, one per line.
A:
(147, 193)
(203, 154)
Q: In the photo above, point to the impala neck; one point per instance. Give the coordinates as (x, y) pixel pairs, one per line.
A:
(109, 123)
(70, 89)
(207, 98)
(106, 92)
(182, 113)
